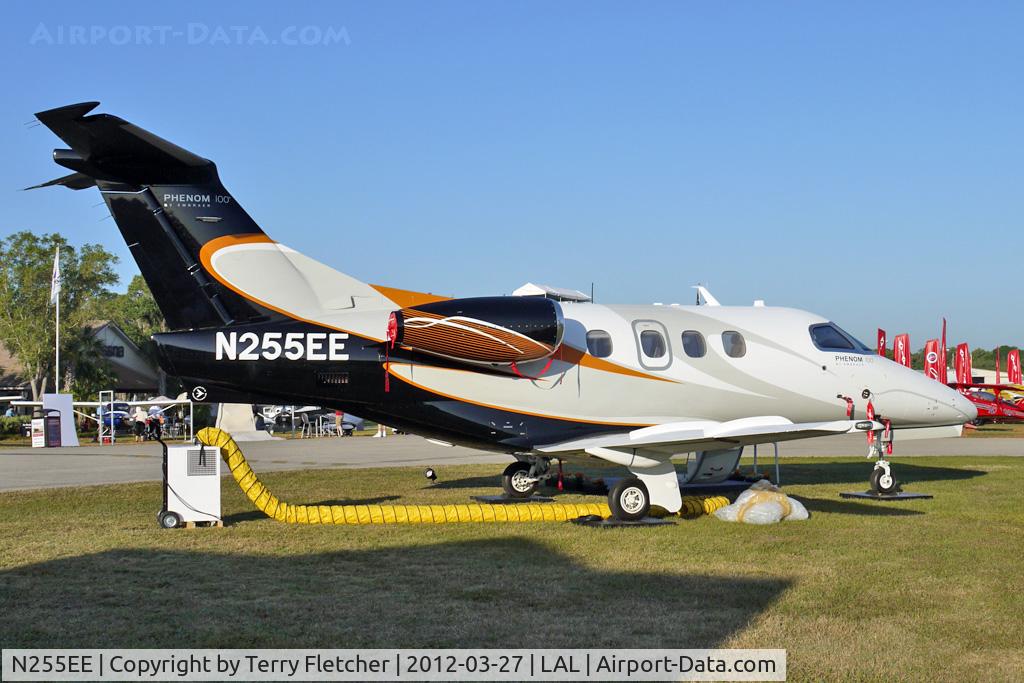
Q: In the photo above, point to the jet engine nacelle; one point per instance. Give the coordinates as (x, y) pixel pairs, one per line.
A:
(497, 330)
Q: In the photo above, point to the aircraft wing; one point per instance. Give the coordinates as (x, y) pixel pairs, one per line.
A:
(684, 437)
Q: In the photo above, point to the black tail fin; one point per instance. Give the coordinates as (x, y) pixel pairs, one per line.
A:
(167, 202)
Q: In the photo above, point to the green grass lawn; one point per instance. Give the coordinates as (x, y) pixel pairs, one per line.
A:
(918, 590)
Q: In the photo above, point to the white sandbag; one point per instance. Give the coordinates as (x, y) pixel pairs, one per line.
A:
(797, 512)
(762, 511)
(763, 503)
(728, 513)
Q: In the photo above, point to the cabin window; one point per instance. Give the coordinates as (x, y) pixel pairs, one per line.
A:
(652, 344)
(830, 337)
(599, 343)
(693, 344)
(735, 345)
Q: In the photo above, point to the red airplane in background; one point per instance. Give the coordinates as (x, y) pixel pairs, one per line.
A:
(991, 408)
(985, 397)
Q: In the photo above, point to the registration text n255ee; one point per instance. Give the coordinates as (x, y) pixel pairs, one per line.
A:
(311, 346)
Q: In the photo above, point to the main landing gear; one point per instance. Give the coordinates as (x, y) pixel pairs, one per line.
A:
(520, 479)
(516, 480)
(629, 500)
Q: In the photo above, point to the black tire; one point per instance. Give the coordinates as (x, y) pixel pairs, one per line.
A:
(513, 483)
(629, 500)
(169, 520)
(882, 484)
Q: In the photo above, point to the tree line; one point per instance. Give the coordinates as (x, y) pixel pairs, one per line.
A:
(983, 359)
(27, 325)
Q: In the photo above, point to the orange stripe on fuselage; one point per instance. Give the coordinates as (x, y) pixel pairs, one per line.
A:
(218, 243)
(406, 298)
(503, 408)
(574, 356)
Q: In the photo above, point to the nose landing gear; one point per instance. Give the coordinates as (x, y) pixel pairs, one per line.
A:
(880, 445)
(882, 481)
(883, 484)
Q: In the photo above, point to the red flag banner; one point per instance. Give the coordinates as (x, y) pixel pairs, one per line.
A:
(1013, 367)
(931, 359)
(998, 378)
(901, 349)
(963, 364)
(881, 342)
(944, 369)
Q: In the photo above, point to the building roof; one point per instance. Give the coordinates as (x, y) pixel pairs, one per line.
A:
(12, 374)
(133, 369)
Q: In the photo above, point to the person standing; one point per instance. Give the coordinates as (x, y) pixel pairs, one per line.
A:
(155, 420)
(139, 426)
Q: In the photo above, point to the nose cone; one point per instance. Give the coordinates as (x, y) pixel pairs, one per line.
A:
(964, 407)
(910, 399)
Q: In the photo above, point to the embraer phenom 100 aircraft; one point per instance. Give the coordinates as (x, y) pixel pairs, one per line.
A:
(256, 322)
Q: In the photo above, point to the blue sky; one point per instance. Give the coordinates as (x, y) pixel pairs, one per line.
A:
(860, 160)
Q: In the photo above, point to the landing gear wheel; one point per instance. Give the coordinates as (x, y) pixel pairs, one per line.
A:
(516, 482)
(169, 520)
(629, 500)
(882, 481)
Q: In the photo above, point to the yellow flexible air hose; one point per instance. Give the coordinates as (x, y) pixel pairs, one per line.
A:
(269, 504)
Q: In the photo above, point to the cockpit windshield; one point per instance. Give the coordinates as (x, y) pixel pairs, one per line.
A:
(830, 337)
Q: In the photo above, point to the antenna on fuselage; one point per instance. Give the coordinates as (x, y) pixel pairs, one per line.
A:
(703, 293)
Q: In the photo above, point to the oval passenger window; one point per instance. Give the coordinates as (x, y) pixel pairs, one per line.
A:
(693, 344)
(599, 343)
(735, 346)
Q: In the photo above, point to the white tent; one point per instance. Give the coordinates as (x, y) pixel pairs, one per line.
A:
(556, 293)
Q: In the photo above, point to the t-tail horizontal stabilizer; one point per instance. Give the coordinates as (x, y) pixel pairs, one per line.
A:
(168, 203)
(73, 181)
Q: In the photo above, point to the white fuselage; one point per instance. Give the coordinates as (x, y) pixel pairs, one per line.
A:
(781, 372)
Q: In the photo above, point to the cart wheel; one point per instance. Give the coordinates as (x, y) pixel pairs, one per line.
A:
(169, 520)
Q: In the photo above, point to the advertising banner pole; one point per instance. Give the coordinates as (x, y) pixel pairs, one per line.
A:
(55, 300)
